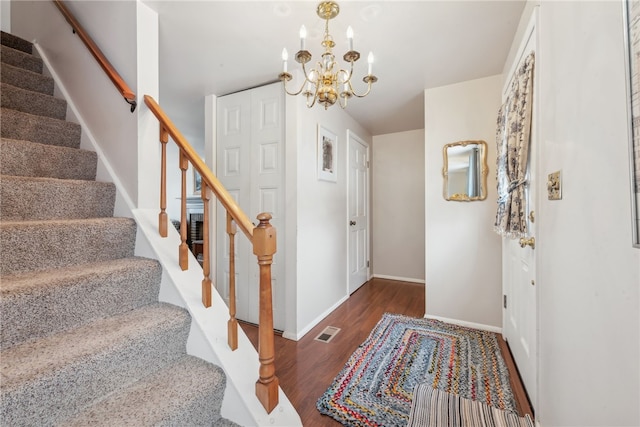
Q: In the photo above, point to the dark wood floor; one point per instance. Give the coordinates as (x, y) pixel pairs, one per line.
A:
(307, 367)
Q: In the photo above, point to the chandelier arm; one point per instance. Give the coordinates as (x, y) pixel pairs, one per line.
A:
(284, 84)
(353, 92)
(306, 75)
(347, 76)
(343, 104)
(315, 97)
(315, 84)
(306, 79)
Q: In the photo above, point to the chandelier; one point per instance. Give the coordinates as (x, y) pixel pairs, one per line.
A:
(327, 83)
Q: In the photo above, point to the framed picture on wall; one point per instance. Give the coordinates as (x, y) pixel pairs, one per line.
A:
(631, 10)
(327, 155)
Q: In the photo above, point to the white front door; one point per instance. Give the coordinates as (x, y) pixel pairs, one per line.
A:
(250, 164)
(358, 183)
(519, 263)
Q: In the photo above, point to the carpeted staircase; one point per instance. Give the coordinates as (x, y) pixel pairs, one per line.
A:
(83, 338)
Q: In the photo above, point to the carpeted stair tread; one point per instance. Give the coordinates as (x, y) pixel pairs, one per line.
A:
(58, 299)
(19, 125)
(35, 199)
(67, 371)
(20, 59)
(223, 422)
(32, 102)
(15, 42)
(26, 158)
(25, 79)
(42, 245)
(185, 393)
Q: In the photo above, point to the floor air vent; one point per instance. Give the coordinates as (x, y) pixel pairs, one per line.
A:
(328, 334)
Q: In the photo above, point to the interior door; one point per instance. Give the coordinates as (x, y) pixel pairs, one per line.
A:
(519, 261)
(233, 142)
(358, 218)
(250, 164)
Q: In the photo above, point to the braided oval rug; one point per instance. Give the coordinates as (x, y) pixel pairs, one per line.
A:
(375, 387)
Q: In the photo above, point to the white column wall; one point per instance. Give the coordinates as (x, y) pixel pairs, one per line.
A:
(463, 253)
(148, 73)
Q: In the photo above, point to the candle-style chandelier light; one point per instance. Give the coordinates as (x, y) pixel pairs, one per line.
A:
(327, 83)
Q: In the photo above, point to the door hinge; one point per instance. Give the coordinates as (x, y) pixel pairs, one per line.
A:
(504, 301)
(367, 264)
(367, 163)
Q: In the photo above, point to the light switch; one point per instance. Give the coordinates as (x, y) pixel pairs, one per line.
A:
(554, 186)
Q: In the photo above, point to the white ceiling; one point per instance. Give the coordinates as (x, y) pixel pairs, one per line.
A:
(220, 47)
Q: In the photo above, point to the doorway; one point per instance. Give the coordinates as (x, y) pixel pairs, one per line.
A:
(358, 207)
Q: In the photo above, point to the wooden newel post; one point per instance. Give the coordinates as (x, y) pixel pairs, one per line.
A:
(264, 246)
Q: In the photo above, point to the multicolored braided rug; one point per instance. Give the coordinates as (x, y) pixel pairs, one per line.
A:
(375, 387)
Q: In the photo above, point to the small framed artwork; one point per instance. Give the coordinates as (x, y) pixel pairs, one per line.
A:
(327, 155)
(197, 182)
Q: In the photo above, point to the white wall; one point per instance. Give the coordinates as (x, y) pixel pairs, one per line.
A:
(397, 170)
(322, 223)
(113, 27)
(147, 82)
(463, 254)
(588, 274)
(5, 12)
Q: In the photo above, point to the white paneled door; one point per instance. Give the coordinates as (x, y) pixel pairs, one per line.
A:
(358, 183)
(519, 262)
(250, 164)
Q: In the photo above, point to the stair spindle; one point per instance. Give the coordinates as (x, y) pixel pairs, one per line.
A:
(162, 218)
(232, 326)
(206, 282)
(183, 251)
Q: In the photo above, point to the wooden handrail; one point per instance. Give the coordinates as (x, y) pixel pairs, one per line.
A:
(208, 177)
(109, 69)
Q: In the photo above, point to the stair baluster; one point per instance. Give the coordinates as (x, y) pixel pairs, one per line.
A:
(183, 251)
(162, 217)
(232, 328)
(206, 281)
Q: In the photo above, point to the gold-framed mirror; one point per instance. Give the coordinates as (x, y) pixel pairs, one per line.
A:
(465, 171)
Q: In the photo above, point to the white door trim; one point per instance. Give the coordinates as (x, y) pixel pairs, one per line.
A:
(530, 41)
(351, 135)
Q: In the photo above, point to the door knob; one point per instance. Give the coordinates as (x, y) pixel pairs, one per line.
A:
(531, 241)
(352, 223)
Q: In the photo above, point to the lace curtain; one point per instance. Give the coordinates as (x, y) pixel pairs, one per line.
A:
(512, 139)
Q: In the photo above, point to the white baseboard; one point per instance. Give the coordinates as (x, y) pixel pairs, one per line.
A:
(466, 324)
(400, 279)
(297, 336)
